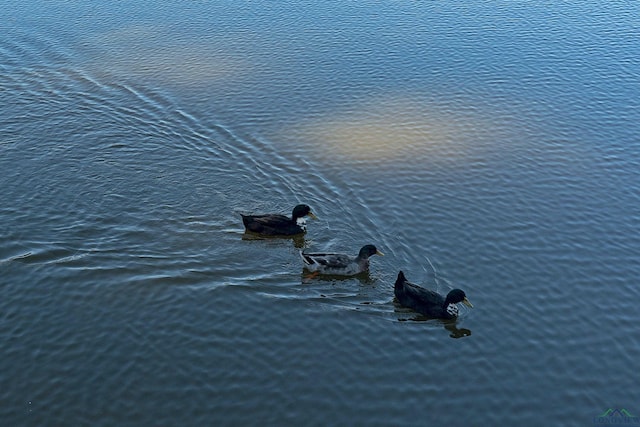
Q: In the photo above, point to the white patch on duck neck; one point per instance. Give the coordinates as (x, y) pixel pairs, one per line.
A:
(302, 222)
(452, 309)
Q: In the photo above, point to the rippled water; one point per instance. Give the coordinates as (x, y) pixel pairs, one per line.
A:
(490, 146)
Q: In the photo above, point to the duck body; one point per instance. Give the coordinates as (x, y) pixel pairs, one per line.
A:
(277, 224)
(339, 264)
(427, 302)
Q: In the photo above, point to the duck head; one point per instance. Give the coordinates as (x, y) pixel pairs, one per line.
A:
(301, 211)
(368, 250)
(455, 296)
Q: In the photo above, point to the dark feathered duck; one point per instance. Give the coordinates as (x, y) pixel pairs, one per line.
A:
(339, 264)
(278, 225)
(428, 302)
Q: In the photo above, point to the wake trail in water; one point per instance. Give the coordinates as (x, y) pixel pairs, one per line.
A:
(159, 121)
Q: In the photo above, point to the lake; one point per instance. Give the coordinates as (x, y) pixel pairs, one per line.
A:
(490, 146)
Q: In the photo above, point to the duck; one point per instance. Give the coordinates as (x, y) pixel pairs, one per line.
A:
(277, 224)
(427, 302)
(339, 264)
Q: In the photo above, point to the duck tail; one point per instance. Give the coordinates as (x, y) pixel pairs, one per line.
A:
(305, 259)
(400, 280)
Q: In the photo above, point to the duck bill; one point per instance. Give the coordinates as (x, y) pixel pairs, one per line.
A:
(312, 216)
(379, 253)
(466, 302)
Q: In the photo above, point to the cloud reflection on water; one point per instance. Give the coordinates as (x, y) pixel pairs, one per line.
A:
(394, 128)
(434, 128)
(152, 52)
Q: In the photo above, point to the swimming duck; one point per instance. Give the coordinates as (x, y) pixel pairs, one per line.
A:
(428, 302)
(339, 264)
(278, 225)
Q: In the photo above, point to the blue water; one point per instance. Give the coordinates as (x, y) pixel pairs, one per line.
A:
(489, 146)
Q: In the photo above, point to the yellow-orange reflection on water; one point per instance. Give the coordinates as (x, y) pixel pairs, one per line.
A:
(392, 128)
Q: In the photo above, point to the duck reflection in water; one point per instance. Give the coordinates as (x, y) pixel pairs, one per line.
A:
(450, 325)
(298, 240)
(364, 277)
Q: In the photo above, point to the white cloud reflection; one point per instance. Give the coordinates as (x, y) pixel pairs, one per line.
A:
(153, 52)
(391, 128)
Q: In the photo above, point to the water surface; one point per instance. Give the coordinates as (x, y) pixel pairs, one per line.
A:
(490, 146)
